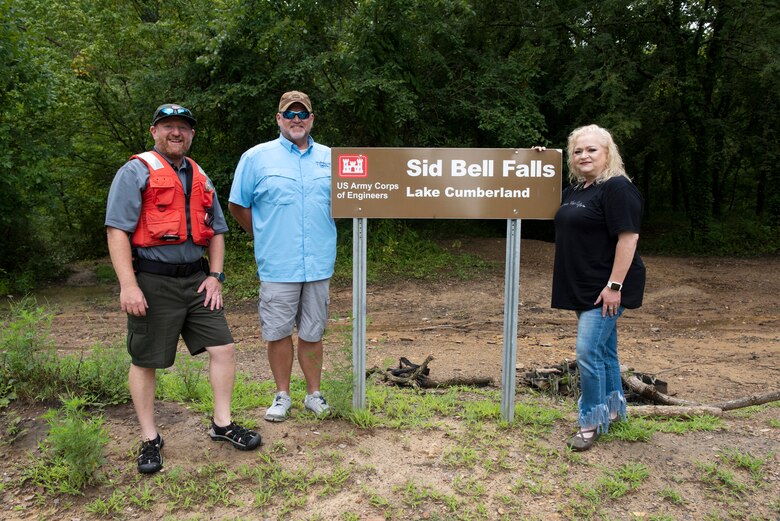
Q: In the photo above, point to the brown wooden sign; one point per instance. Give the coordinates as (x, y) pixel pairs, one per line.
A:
(445, 183)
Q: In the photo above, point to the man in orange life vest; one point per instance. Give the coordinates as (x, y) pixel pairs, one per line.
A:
(162, 212)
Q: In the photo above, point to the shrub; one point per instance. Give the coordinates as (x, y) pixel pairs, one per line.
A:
(73, 450)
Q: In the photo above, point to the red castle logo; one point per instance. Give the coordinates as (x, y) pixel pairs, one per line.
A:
(353, 166)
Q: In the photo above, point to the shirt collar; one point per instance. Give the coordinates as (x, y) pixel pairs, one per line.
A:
(292, 147)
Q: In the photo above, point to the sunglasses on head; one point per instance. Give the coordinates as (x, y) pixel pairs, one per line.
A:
(170, 111)
(290, 114)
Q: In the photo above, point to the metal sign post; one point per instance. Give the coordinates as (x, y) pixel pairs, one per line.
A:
(359, 267)
(511, 296)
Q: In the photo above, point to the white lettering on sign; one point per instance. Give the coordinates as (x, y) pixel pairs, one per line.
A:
(534, 169)
(481, 193)
(422, 192)
(483, 168)
(475, 193)
(415, 167)
(460, 168)
(362, 196)
(386, 186)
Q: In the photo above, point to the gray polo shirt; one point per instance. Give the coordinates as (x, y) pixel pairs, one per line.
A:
(123, 210)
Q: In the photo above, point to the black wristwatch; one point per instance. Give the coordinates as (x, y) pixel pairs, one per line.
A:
(218, 275)
(616, 286)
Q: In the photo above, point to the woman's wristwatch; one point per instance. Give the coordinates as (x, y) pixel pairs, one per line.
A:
(617, 286)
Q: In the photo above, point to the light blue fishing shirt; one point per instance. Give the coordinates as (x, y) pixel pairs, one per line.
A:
(288, 192)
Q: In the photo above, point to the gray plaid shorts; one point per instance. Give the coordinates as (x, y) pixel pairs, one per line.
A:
(284, 305)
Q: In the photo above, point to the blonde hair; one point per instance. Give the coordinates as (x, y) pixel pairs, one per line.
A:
(614, 166)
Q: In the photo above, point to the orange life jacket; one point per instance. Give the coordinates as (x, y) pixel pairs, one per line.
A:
(163, 217)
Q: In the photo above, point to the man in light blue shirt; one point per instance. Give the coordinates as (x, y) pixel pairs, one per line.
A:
(281, 196)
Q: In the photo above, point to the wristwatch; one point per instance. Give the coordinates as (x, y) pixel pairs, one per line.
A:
(617, 286)
(218, 275)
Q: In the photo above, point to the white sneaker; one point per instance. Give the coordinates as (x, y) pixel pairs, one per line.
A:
(316, 403)
(277, 412)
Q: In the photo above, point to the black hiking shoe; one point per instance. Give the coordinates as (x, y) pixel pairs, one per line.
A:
(241, 438)
(149, 458)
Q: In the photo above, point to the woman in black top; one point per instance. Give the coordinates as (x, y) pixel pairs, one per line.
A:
(597, 271)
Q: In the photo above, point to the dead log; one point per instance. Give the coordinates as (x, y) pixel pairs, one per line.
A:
(561, 379)
(430, 383)
(408, 374)
(416, 376)
(673, 411)
(650, 392)
(756, 399)
(549, 378)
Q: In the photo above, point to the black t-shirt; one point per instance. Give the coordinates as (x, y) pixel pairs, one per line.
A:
(586, 232)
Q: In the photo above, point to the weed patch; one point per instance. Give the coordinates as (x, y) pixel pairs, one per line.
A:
(612, 484)
(31, 370)
(72, 451)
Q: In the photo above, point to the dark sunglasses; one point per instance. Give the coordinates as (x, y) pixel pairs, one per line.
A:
(290, 114)
(180, 111)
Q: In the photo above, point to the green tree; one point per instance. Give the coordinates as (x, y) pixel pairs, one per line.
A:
(689, 88)
(25, 103)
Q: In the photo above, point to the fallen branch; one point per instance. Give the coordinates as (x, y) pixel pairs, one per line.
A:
(756, 399)
(562, 378)
(673, 411)
(413, 375)
(430, 383)
(407, 374)
(649, 391)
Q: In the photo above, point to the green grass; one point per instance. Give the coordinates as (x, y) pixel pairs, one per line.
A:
(110, 506)
(636, 430)
(652, 517)
(612, 484)
(671, 495)
(755, 466)
(721, 480)
(626, 478)
(30, 369)
(72, 453)
(642, 429)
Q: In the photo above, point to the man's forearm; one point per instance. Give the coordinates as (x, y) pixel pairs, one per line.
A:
(217, 253)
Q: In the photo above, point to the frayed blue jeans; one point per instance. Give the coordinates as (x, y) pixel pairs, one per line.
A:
(597, 360)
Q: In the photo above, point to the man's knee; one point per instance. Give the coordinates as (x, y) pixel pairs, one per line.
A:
(282, 343)
(223, 353)
(140, 371)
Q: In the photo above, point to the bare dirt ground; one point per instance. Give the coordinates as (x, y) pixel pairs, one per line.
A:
(709, 327)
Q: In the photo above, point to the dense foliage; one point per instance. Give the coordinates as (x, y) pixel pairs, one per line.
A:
(691, 90)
